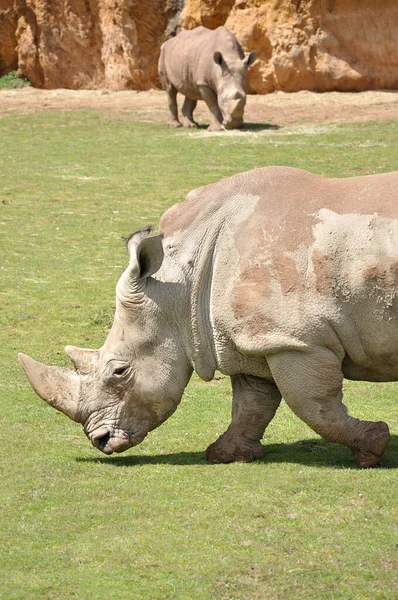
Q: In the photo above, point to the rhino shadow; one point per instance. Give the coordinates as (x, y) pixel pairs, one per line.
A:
(260, 127)
(247, 127)
(313, 452)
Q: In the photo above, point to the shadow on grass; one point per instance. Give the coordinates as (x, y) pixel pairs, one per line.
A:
(260, 127)
(314, 452)
(253, 127)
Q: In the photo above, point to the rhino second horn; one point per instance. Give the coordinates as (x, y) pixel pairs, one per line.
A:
(84, 359)
(57, 386)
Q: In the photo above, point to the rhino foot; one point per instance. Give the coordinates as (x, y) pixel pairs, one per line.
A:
(190, 124)
(371, 450)
(215, 127)
(230, 448)
(174, 124)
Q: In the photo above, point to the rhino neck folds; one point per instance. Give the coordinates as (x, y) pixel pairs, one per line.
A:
(203, 353)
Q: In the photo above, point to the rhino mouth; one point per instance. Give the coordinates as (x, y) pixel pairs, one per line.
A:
(102, 441)
(232, 123)
(109, 442)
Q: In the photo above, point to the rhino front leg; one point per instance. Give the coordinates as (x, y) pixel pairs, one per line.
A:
(210, 98)
(187, 110)
(254, 404)
(312, 386)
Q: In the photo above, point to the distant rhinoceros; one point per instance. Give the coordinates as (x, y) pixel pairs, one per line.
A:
(206, 65)
(284, 280)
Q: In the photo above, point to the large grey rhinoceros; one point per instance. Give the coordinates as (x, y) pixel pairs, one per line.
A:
(284, 280)
(206, 65)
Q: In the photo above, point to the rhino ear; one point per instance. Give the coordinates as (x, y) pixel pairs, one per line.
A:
(249, 59)
(146, 253)
(218, 58)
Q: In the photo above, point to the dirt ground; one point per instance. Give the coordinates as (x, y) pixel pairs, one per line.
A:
(278, 108)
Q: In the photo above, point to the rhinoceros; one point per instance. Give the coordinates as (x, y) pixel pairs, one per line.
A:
(283, 280)
(206, 65)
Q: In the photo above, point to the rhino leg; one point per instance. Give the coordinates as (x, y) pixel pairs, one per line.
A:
(172, 100)
(210, 98)
(187, 110)
(312, 386)
(254, 404)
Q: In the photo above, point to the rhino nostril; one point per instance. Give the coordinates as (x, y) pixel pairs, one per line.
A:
(102, 441)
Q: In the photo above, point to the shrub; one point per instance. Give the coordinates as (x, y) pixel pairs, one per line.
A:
(13, 80)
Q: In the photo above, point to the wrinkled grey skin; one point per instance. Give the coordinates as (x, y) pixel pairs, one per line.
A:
(284, 280)
(206, 65)
(121, 392)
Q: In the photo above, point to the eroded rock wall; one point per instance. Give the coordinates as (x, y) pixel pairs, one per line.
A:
(76, 44)
(318, 45)
(8, 38)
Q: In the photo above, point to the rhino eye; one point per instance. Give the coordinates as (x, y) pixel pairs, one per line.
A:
(121, 370)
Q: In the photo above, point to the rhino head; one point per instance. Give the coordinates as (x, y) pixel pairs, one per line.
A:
(136, 380)
(231, 88)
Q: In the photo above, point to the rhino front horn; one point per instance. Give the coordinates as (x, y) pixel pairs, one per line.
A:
(57, 386)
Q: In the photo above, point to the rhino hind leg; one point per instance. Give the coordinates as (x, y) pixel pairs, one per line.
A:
(254, 404)
(173, 109)
(312, 386)
(187, 110)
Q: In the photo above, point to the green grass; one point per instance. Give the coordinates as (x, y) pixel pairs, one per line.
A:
(158, 522)
(12, 81)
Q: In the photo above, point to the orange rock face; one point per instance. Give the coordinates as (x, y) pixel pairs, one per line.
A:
(8, 40)
(318, 45)
(111, 44)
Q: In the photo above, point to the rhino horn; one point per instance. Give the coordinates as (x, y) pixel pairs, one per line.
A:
(57, 386)
(84, 359)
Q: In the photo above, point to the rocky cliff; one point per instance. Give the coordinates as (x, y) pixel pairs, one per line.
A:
(318, 45)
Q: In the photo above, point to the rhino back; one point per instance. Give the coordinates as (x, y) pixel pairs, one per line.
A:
(187, 59)
(296, 260)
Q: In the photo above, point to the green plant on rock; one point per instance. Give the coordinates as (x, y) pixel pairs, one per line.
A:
(13, 80)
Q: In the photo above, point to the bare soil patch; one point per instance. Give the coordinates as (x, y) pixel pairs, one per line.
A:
(278, 108)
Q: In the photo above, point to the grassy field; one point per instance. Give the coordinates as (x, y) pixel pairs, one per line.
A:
(158, 522)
